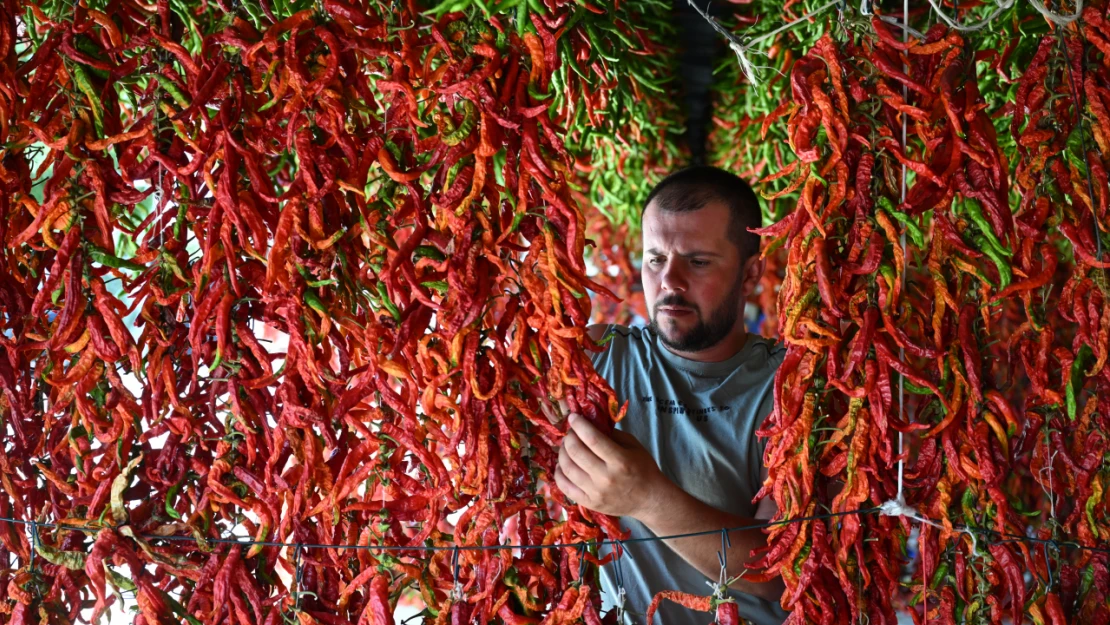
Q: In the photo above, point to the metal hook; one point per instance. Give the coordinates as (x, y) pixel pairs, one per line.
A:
(618, 573)
(456, 591)
(298, 571)
(1048, 565)
(722, 557)
(618, 569)
(581, 560)
(34, 543)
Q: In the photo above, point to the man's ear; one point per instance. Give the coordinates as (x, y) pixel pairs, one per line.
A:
(753, 272)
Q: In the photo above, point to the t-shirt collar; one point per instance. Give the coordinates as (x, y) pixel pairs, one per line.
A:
(707, 369)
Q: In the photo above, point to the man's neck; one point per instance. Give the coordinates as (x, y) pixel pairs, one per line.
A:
(724, 349)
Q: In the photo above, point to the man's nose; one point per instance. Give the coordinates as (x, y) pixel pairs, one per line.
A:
(673, 279)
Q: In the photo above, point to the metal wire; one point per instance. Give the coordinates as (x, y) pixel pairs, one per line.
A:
(576, 545)
(1007, 537)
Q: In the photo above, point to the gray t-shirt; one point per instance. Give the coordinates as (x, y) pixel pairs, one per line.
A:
(698, 420)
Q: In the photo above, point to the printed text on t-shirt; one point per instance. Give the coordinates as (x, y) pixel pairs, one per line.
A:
(675, 407)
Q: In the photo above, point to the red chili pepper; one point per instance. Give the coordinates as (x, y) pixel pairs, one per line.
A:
(684, 599)
(728, 613)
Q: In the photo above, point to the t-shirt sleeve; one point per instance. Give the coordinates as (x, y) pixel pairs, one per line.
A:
(603, 360)
(758, 444)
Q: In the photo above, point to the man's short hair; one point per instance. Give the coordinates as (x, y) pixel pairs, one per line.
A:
(692, 188)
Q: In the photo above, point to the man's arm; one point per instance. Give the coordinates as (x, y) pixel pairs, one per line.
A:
(618, 476)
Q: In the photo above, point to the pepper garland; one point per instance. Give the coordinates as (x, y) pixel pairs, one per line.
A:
(879, 286)
(390, 192)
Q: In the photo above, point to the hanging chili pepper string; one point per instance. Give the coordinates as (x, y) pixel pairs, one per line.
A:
(1080, 102)
(901, 349)
(898, 507)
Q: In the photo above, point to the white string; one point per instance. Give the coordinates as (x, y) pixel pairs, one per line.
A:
(1056, 18)
(1002, 6)
(742, 47)
(899, 508)
(789, 25)
(901, 349)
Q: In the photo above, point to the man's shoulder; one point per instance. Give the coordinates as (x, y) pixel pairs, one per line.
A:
(618, 341)
(610, 335)
(774, 351)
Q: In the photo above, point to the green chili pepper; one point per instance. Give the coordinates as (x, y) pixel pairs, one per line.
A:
(888, 274)
(521, 18)
(104, 258)
(315, 303)
(1077, 367)
(1005, 274)
(179, 609)
(465, 127)
(596, 43)
(170, 495)
(72, 560)
(975, 212)
(388, 303)
(177, 94)
(117, 580)
(912, 229)
(915, 389)
(428, 251)
(81, 79)
(439, 286)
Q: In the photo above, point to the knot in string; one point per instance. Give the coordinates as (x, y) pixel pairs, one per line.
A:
(898, 507)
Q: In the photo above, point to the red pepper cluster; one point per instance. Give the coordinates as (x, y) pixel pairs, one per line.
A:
(385, 195)
(979, 291)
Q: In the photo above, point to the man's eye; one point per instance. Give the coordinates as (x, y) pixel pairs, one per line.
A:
(699, 263)
(657, 260)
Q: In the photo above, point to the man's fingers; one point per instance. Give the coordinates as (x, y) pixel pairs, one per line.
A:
(571, 469)
(567, 486)
(601, 445)
(581, 454)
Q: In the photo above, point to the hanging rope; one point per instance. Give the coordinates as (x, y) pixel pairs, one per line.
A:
(1002, 5)
(1056, 18)
(742, 47)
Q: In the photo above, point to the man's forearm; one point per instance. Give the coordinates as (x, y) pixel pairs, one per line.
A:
(677, 512)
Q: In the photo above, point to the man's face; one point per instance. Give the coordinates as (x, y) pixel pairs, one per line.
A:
(694, 282)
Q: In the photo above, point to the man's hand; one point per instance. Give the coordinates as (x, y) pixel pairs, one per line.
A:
(614, 476)
(617, 476)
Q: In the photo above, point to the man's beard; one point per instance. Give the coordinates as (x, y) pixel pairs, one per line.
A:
(707, 332)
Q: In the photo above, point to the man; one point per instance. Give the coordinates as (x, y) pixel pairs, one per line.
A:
(685, 458)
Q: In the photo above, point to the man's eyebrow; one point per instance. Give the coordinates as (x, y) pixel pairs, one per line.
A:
(702, 253)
